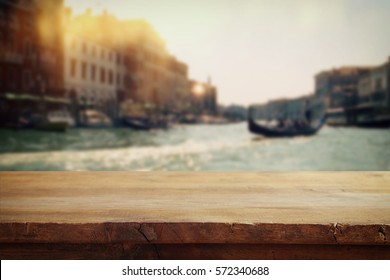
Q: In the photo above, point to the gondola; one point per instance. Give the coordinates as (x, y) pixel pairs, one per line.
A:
(136, 123)
(283, 132)
(143, 123)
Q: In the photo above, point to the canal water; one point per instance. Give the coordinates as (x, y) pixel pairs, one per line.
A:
(194, 148)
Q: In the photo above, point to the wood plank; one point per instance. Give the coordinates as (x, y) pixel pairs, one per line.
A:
(247, 198)
(205, 233)
(191, 251)
(139, 210)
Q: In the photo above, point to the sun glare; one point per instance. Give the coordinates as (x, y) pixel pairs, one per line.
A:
(198, 89)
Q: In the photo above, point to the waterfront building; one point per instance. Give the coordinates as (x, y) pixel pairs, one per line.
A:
(365, 89)
(374, 86)
(146, 74)
(355, 95)
(31, 58)
(125, 80)
(159, 80)
(259, 111)
(90, 75)
(234, 112)
(338, 86)
(203, 97)
(277, 109)
(293, 109)
(103, 80)
(150, 64)
(178, 94)
(373, 106)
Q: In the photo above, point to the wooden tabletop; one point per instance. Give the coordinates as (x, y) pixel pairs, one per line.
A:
(322, 207)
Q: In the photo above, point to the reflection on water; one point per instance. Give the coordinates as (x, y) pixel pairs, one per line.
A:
(194, 148)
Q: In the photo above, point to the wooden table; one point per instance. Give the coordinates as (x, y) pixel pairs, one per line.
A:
(117, 215)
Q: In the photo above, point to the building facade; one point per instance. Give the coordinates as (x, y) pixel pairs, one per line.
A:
(90, 75)
(374, 86)
(203, 98)
(146, 74)
(293, 109)
(149, 63)
(373, 106)
(31, 58)
(355, 95)
(338, 87)
(177, 91)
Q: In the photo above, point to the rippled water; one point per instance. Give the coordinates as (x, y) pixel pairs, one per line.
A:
(194, 148)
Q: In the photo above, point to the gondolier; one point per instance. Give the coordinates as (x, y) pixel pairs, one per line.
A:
(308, 112)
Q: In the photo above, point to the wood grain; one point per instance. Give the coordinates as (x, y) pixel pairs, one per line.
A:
(99, 209)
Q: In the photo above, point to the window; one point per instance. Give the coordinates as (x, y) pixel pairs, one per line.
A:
(28, 23)
(52, 82)
(378, 84)
(84, 70)
(102, 75)
(11, 42)
(11, 77)
(84, 47)
(378, 96)
(26, 79)
(13, 21)
(118, 59)
(155, 75)
(73, 68)
(93, 72)
(54, 59)
(110, 77)
(27, 47)
(2, 39)
(3, 18)
(102, 54)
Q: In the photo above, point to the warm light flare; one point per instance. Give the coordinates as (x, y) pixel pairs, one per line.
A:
(198, 89)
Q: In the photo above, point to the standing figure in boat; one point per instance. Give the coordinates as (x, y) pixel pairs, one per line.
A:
(308, 113)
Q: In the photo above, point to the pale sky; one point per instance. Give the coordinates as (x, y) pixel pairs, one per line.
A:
(257, 50)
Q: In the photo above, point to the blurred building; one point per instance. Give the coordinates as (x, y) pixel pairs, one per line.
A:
(178, 95)
(234, 112)
(203, 97)
(272, 110)
(103, 53)
(338, 87)
(373, 106)
(161, 80)
(90, 75)
(150, 63)
(145, 72)
(374, 86)
(355, 95)
(31, 57)
(296, 107)
(293, 109)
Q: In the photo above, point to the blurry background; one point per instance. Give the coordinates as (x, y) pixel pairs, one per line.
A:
(166, 85)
